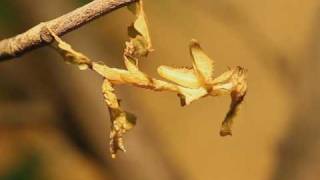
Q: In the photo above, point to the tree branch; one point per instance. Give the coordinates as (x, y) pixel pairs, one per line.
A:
(39, 35)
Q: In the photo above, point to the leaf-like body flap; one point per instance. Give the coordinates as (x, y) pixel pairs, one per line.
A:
(70, 55)
(203, 65)
(188, 95)
(121, 121)
(140, 41)
(182, 76)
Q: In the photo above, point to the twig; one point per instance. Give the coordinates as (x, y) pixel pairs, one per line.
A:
(39, 36)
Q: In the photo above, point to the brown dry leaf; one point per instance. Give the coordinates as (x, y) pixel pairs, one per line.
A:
(140, 42)
(202, 64)
(70, 55)
(121, 121)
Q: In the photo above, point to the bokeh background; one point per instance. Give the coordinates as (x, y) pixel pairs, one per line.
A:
(54, 123)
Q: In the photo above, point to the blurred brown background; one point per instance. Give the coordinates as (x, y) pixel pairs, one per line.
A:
(54, 123)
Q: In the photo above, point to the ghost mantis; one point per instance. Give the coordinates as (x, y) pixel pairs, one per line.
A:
(189, 83)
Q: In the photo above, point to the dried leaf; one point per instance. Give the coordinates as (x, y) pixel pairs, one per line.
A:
(70, 55)
(182, 76)
(140, 42)
(202, 64)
